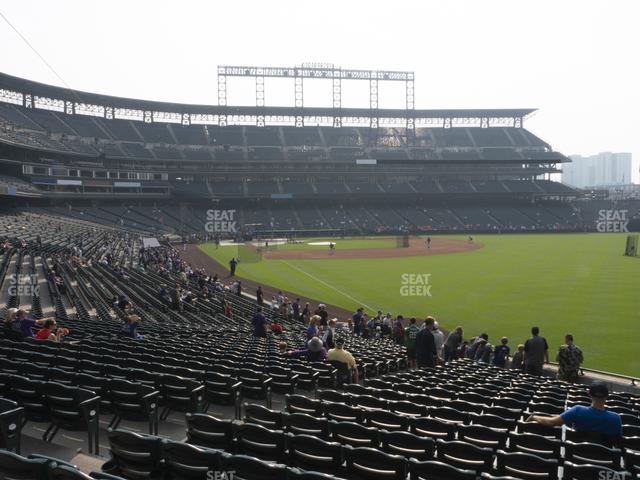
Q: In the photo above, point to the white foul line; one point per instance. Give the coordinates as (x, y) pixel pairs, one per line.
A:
(328, 286)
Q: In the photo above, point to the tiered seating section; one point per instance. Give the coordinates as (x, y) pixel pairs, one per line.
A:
(274, 416)
(86, 135)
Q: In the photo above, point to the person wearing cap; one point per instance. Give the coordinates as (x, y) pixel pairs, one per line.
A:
(595, 422)
(339, 354)
(314, 352)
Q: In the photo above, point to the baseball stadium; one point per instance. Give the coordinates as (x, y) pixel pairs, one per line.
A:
(143, 245)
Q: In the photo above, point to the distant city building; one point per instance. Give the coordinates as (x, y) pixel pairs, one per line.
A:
(610, 169)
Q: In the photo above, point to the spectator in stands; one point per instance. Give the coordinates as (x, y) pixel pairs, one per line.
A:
(385, 324)
(24, 324)
(274, 303)
(518, 358)
(259, 296)
(9, 317)
(324, 315)
(426, 345)
(50, 331)
(483, 352)
(339, 354)
(276, 327)
(329, 334)
(569, 359)
(501, 353)
(228, 312)
(452, 343)
(475, 344)
(314, 352)
(164, 295)
(282, 348)
(130, 326)
(306, 313)
(260, 324)
(123, 302)
(536, 353)
(312, 329)
(438, 337)
(595, 422)
(295, 307)
(410, 334)
(398, 330)
(357, 321)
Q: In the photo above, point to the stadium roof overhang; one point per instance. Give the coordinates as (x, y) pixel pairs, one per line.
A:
(22, 91)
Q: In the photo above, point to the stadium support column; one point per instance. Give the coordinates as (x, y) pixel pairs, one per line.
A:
(260, 99)
(298, 98)
(373, 105)
(337, 97)
(222, 94)
(410, 105)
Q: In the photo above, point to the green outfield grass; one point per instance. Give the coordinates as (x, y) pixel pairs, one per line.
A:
(563, 283)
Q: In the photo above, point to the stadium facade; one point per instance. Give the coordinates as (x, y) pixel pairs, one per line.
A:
(285, 169)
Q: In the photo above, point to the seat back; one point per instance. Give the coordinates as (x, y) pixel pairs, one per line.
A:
(134, 456)
(260, 442)
(434, 470)
(207, 431)
(587, 471)
(302, 404)
(407, 445)
(11, 417)
(262, 416)
(250, 468)
(14, 466)
(354, 434)
(303, 424)
(593, 453)
(311, 453)
(182, 460)
(372, 464)
(465, 455)
(526, 466)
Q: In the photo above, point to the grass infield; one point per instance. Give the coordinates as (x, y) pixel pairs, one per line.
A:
(563, 283)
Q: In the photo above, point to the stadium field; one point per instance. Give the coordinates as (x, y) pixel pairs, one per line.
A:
(563, 283)
(321, 243)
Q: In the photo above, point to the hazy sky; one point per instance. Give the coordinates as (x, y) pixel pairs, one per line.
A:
(578, 61)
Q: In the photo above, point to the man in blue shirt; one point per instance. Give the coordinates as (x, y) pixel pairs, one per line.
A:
(595, 422)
